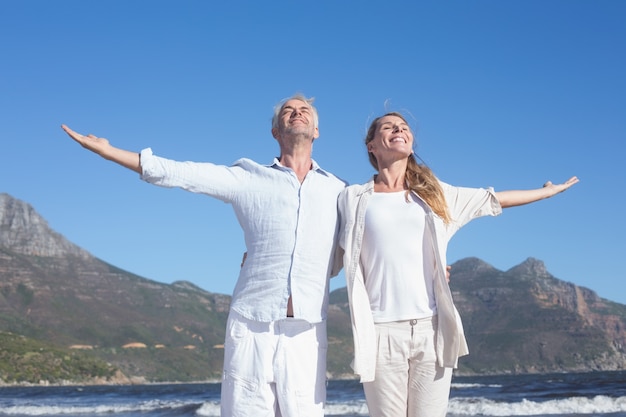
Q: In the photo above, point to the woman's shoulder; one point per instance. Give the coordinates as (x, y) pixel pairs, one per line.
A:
(357, 188)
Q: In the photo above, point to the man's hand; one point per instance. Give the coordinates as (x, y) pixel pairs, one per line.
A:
(102, 147)
(91, 142)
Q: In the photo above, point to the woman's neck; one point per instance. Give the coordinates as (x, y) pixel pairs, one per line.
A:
(391, 178)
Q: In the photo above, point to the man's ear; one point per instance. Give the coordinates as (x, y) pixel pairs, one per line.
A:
(275, 133)
(317, 133)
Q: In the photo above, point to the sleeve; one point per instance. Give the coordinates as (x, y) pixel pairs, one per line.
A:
(217, 181)
(338, 252)
(466, 204)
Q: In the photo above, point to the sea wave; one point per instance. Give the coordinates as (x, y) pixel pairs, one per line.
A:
(209, 409)
(350, 408)
(164, 407)
(459, 385)
(459, 407)
(574, 405)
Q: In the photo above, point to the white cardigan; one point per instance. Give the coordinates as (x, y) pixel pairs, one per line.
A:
(464, 204)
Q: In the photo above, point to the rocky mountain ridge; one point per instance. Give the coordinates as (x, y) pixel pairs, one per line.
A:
(25, 232)
(74, 308)
(525, 320)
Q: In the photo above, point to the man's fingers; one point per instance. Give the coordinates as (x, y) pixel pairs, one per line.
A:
(70, 132)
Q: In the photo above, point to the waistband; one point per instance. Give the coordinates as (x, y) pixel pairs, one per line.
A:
(426, 322)
(287, 324)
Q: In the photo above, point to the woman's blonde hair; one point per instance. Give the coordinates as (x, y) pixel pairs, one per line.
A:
(418, 177)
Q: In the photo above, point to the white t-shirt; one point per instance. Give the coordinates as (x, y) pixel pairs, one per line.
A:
(398, 263)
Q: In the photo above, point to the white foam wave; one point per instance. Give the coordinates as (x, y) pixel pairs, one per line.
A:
(574, 405)
(51, 410)
(352, 408)
(458, 385)
(209, 409)
(458, 407)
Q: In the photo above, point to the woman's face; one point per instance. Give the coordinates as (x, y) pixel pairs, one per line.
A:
(393, 139)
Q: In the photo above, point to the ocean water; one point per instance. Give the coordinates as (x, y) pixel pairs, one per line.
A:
(589, 394)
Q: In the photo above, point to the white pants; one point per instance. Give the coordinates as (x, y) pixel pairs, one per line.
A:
(274, 369)
(408, 381)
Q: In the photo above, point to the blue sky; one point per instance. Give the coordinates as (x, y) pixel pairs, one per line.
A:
(506, 94)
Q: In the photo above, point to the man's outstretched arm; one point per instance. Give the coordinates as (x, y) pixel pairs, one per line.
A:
(103, 148)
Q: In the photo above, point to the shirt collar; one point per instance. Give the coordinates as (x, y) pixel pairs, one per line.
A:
(314, 166)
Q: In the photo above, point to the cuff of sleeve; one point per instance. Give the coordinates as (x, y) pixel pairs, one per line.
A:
(496, 208)
(145, 156)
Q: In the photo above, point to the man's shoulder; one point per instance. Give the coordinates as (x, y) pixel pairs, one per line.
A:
(246, 162)
(335, 179)
(332, 177)
(250, 165)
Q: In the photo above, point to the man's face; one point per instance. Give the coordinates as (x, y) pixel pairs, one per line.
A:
(296, 119)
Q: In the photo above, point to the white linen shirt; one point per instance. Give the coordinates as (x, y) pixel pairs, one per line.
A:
(289, 229)
(464, 205)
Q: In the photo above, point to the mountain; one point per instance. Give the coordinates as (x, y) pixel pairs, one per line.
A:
(524, 320)
(54, 292)
(66, 315)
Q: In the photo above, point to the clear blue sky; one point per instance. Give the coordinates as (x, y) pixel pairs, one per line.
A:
(506, 94)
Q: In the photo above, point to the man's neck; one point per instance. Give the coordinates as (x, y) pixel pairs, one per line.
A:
(295, 153)
(299, 162)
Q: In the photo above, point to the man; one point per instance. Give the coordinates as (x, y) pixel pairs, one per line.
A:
(275, 350)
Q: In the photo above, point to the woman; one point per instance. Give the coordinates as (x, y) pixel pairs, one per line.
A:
(394, 234)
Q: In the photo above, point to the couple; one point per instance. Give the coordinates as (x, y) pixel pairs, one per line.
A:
(301, 225)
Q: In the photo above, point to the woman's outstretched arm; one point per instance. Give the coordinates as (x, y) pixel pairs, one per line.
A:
(512, 198)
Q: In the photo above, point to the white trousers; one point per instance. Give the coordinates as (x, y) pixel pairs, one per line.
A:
(274, 369)
(408, 381)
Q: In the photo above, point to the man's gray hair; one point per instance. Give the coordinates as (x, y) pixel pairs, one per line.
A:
(298, 96)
